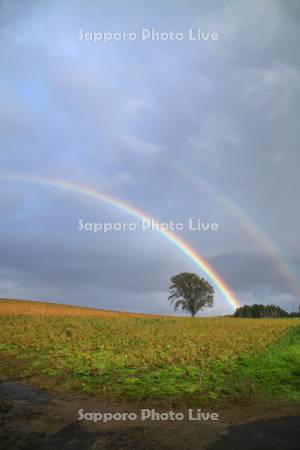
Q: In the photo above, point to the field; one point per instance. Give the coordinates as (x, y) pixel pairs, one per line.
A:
(138, 356)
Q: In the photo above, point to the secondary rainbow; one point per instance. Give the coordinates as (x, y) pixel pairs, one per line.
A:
(281, 265)
(137, 213)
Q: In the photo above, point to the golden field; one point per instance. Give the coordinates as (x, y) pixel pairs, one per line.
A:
(130, 354)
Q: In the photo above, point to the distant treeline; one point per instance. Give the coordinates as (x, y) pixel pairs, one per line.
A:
(257, 311)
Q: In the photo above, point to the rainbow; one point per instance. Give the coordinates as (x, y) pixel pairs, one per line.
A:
(277, 260)
(136, 213)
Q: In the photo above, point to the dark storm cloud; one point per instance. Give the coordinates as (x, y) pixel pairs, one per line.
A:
(117, 116)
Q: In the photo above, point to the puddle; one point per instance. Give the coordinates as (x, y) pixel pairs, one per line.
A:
(31, 421)
(32, 395)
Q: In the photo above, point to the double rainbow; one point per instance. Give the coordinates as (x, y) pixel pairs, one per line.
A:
(278, 260)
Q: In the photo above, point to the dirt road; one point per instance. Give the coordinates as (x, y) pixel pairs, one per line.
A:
(32, 419)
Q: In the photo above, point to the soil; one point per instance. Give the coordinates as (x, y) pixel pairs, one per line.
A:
(35, 419)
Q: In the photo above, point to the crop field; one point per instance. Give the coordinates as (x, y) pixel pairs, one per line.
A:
(139, 356)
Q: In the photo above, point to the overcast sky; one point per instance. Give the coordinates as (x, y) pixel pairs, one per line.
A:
(150, 122)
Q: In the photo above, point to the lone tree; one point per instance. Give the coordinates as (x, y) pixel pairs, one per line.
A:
(190, 292)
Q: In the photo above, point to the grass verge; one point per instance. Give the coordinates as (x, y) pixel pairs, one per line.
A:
(274, 372)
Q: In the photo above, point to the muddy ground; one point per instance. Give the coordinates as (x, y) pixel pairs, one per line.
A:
(34, 419)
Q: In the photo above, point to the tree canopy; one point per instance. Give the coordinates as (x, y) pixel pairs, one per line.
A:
(190, 292)
(257, 311)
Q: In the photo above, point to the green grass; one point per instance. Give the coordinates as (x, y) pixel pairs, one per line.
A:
(146, 357)
(273, 373)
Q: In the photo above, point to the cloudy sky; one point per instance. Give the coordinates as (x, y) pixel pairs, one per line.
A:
(181, 129)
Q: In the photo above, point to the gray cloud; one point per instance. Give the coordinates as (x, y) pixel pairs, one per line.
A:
(143, 121)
